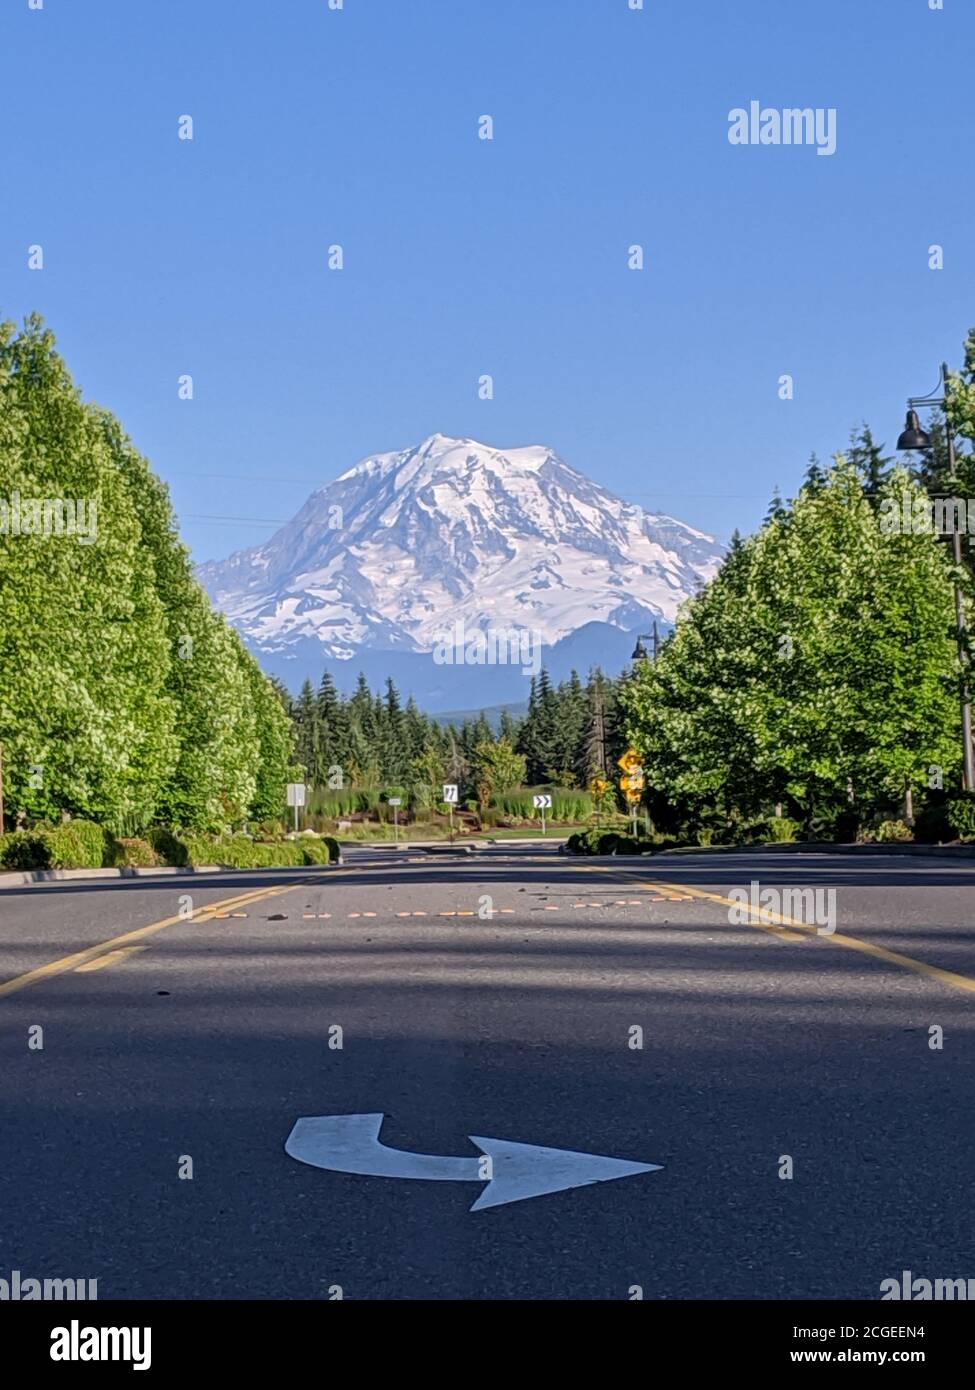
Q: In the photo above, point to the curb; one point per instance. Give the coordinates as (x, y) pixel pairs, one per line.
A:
(23, 878)
(802, 847)
(823, 847)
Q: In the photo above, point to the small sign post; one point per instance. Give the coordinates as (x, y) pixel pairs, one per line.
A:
(296, 798)
(632, 782)
(450, 796)
(543, 803)
(395, 802)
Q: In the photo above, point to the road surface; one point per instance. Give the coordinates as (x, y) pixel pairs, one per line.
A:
(499, 994)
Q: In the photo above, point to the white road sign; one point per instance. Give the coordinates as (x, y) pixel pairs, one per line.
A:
(450, 793)
(395, 801)
(511, 1172)
(296, 793)
(542, 803)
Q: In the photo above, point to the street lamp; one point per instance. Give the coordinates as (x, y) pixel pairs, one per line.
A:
(640, 652)
(914, 437)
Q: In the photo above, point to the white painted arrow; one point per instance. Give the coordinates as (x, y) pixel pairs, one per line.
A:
(350, 1144)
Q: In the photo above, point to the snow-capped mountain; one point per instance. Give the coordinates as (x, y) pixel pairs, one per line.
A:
(403, 545)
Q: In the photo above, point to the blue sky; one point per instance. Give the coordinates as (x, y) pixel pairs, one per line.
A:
(509, 257)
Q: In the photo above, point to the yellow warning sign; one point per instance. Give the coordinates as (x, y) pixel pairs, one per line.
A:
(631, 761)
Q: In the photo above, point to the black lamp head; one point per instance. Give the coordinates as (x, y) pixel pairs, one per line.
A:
(913, 436)
(639, 651)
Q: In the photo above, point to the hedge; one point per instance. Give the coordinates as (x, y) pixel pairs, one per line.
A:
(168, 846)
(133, 854)
(597, 841)
(238, 852)
(961, 816)
(77, 844)
(84, 845)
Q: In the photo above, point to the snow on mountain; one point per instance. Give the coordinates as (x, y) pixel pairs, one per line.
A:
(403, 545)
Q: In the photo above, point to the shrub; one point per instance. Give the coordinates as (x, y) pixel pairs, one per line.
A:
(961, 816)
(839, 824)
(237, 852)
(269, 830)
(597, 841)
(77, 844)
(932, 825)
(133, 854)
(315, 851)
(168, 846)
(782, 830)
(25, 850)
(889, 831)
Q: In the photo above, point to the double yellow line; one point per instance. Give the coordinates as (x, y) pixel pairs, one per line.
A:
(123, 945)
(778, 925)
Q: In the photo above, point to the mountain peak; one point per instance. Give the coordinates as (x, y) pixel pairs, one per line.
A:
(404, 544)
(471, 454)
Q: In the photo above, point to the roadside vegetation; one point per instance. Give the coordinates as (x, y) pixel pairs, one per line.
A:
(81, 844)
(125, 698)
(811, 691)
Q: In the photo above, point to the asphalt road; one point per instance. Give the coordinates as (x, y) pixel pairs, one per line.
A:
(208, 1038)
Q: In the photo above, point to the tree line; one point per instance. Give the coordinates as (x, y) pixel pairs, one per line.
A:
(817, 677)
(570, 733)
(124, 696)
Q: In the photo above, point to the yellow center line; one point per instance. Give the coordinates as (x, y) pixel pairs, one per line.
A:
(112, 958)
(765, 921)
(204, 914)
(804, 930)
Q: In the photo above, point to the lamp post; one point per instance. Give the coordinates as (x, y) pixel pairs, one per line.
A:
(914, 437)
(640, 652)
